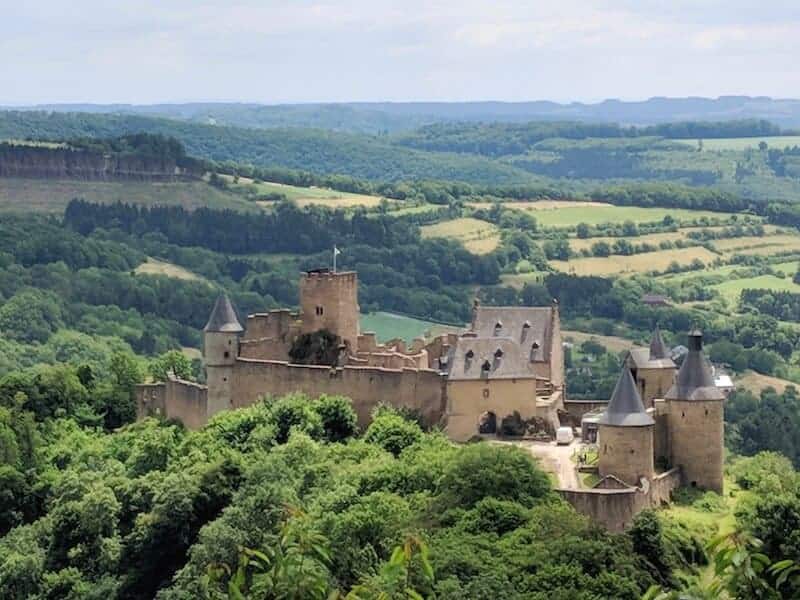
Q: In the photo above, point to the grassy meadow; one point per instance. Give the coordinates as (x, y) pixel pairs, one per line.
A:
(389, 326)
(742, 143)
(636, 263)
(731, 290)
(153, 266)
(304, 196)
(479, 237)
(570, 216)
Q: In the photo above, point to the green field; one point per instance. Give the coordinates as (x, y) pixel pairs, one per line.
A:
(388, 326)
(53, 195)
(153, 266)
(305, 196)
(779, 141)
(595, 215)
(731, 290)
(479, 237)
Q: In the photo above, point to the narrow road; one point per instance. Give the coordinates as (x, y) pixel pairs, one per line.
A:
(554, 459)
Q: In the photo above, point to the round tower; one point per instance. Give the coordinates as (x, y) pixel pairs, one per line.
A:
(625, 434)
(220, 350)
(696, 427)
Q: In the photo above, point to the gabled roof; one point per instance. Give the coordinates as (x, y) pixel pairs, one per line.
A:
(525, 326)
(625, 409)
(223, 318)
(695, 381)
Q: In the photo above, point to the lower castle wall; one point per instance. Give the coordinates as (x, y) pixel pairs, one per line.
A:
(421, 390)
(173, 399)
(578, 408)
(615, 509)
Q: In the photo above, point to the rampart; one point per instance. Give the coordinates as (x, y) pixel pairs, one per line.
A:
(173, 399)
(615, 508)
(421, 390)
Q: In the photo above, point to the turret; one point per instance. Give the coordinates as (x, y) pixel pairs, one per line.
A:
(220, 350)
(652, 368)
(625, 434)
(696, 420)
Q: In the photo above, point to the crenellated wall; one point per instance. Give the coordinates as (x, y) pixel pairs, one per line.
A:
(421, 390)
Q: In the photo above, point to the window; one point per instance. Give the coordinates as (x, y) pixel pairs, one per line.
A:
(227, 354)
(498, 327)
(320, 311)
(498, 354)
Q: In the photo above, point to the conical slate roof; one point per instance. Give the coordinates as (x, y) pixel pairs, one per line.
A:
(223, 318)
(625, 409)
(695, 380)
(658, 349)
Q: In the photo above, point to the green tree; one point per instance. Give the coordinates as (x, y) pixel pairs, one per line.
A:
(173, 361)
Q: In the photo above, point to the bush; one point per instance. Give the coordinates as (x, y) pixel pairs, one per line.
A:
(482, 470)
(295, 411)
(338, 417)
(493, 515)
(392, 432)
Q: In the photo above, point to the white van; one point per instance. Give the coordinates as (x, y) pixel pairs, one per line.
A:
(564, 436)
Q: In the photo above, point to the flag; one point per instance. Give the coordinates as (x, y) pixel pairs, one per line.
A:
(336, 251)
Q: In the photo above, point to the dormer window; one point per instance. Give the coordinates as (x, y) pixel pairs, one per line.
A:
(468, 359)
(498, 327)
(526, 327)
(498, 354)
(470, 354)
(486, 367)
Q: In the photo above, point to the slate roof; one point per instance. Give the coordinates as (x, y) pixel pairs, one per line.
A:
(625, 409)
(657, 356)
(695, 380)
(471, 353)
(524, 325)
(223, 318)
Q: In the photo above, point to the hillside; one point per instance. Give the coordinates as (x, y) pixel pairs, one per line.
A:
(377, 117)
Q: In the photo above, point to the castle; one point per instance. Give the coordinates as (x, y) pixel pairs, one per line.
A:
(662, 427)
(510, 360)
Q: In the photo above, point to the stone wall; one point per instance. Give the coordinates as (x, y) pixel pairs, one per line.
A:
(578, 408)
(654, 383)
(173, 399)
(367, 387)
(615, 509)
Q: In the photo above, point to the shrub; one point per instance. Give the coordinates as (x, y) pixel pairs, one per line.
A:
(295, 411)
(338, 417)
(392, 432)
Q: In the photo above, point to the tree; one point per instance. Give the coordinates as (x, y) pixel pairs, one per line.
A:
(172, 361)
(582, 230)
(338, 417)
(392, 432)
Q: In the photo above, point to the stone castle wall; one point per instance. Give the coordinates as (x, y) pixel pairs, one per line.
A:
(420, 390)
(654, 383)
(615, 509)
(173, 399)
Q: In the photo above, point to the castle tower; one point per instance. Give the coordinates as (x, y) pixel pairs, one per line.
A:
(652, 368)
(329, 300)
(696, 420)
(625, 434)
(220, 349)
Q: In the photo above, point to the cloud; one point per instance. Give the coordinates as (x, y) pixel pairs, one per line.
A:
(326, 50)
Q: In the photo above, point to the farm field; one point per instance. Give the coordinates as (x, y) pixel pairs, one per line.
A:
(518, 280)
(636, 263)
(388, 326)
(542, 204)
(763, 246)
(306, 196)
(479, 237)
(778, 141)
(595, 215)
(153, 266)
(732, 289)
(578, 244)
(53, 195)
(612, 343)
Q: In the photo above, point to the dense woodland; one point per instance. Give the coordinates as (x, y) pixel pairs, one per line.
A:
(287, 499)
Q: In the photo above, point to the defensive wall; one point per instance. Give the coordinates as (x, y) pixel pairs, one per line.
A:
(173, 399)
(614, 507)
(421, 390)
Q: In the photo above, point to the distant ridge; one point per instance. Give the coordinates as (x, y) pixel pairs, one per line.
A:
(379, 117)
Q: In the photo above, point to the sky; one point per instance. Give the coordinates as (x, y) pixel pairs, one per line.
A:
(144, 51)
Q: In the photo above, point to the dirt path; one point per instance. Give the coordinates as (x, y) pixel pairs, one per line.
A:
(555, 459)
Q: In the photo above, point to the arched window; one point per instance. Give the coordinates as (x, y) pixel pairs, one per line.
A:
(498, 327)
